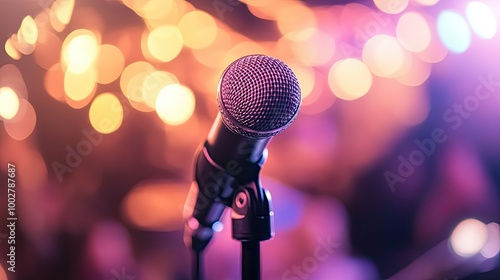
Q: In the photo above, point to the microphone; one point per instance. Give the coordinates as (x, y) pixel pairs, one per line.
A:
(258, 97)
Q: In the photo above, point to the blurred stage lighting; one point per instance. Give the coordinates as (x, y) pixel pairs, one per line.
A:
(469, 237)
(481, 19)
(453, 31)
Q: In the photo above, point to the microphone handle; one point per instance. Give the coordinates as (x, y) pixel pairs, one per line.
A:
(226, 147)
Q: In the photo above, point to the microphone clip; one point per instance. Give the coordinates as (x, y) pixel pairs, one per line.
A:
(252, 215)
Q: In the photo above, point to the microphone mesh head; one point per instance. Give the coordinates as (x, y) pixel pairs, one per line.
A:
(259, 96)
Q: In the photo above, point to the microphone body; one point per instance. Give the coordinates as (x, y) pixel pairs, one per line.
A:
(258, 97)
(224, 162)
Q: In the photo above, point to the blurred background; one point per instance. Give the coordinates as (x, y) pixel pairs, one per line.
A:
(390, 171)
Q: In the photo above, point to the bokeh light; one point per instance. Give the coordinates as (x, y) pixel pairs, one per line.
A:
(11, 76)
(106, 113)
(413, 32)
(426, 2)
(383, 55)
(28, 32)
(109, 63)
(453, 31)
(213, 55)
(22, 125)
(198, 29)
(155, 206)
(241, 49)
(265, 9)
(79, 51)
(349, 79)
(152, 9)
(20, 45)
(153, 83)
(436, 51)
(64, 10)
(60, 14)
(48, 49)
(165, 43)
(391, 6)
(317, 50)
(306, 77)
(418, 73)
(296, 22)
(492, 246)
(481, 19)
(54, 82)
(132, 79)
(175, 104)
(79, 86)
(11, 50)
(79, 104)
(468, 237)
(9, 103)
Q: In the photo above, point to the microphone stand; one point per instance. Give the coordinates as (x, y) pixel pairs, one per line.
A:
(252, 222)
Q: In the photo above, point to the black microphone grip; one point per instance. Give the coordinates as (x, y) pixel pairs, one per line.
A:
(217, 175)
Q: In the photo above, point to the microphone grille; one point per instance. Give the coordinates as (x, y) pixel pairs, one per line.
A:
(259, 96)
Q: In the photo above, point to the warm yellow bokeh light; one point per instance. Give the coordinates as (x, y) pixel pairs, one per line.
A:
(106, 113)
(391, 6)
(28, 31)
(469, 237)
(419, 72)
(383, 55)
(155, 206)
(135, 4)
(436, 51)
(22, 125)
(296, 22)
(317, 50)
(198, 29)
(165, 43)
(64, 10)
(20, 45)
(242, 49)
(11, 76)
(152, 9)
(56, 24)
(109, 63)
(131, 86)
(306, 77)
(175, 104)
(153, 83)
(54, 82)
(267, 9)
(79, 86)
(213, 55)
(48, 49)
(11, 50)
(9, 103)
(349, 79)
(168, 15)
(413, 32)
(434, 54)
(79, 50)
(79, 104)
